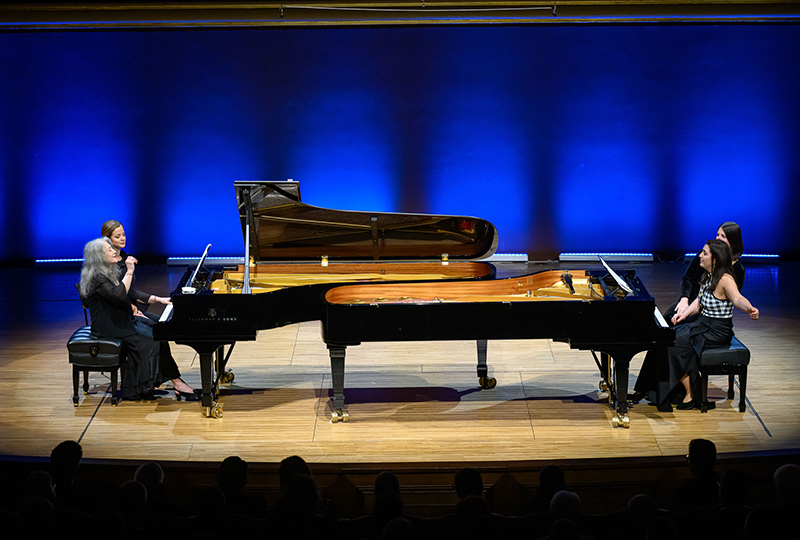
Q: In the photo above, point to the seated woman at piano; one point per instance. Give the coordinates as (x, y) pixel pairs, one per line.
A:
(653, 371)
(730, 233)
(109, 303)
(713, 327)
(143, 321)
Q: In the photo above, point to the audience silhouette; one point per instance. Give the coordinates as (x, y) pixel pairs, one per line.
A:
(52, 505)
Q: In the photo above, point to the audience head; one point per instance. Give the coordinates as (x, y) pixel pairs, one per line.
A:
(304, 490)
(36, 517)
(287, 520)
(132, 498)
(151, 476)
(398, 529)
(730, 233)
(642, 508)
(468, 481)
(65, 459)
(761, 523)
(566, 504)
(291, 466)
(232, 474)
(387, 484)
(563, 529)
(661, 528)
(702, 456)
(39, 484)
(734, 488)
(786, 480)
(469, 507)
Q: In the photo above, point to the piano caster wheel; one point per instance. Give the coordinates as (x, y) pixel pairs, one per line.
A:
(228, 377)
(340, 415)
(621, 421)
(603, 386)
(487, 382)
(215, 411)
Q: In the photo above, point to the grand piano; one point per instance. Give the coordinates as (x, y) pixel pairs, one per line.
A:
(295, 252)
(407, 299)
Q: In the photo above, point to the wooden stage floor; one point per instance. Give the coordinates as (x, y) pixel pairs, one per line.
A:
(408, 402)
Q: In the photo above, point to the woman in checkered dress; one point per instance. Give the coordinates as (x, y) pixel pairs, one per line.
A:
(713, 328)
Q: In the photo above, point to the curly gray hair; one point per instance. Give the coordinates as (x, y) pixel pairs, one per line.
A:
(95, 264)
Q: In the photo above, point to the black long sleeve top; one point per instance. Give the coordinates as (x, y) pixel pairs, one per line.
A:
(110, 307)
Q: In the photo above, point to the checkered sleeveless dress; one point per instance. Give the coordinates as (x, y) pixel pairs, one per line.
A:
(714, 307)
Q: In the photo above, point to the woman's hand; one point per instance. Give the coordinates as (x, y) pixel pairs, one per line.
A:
(163, 300)
(131, 262)
(753, 313)
(683, 305)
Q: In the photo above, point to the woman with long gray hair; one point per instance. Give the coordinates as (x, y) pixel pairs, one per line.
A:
(106, 295)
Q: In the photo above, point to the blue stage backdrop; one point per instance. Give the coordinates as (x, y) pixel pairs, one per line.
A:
(596, 138)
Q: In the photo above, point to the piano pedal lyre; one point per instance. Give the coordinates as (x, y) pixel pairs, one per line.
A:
(339, 415)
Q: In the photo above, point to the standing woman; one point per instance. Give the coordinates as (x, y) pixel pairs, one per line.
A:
(144, 320)
(114, 231)
(110, 306)
(718, 295)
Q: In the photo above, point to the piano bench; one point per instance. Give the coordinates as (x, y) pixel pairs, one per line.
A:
(731, 360)
(89, 353)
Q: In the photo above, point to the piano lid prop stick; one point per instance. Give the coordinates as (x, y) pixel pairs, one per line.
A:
(246, 279)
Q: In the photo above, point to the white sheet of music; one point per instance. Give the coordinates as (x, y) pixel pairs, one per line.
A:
(167, 313)
(616, 277)
(659, 317)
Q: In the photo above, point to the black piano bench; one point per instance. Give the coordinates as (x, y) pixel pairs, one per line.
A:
(730, 361)
(89, 353)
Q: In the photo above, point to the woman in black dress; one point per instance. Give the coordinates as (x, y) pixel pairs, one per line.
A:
(143, 319)
(106, 295)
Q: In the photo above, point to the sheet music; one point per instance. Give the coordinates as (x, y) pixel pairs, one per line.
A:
(619, 280)
(190, 283)
(167, 313)
(661, 320)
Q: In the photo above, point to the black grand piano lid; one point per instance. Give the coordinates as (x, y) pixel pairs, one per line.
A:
(284, 228)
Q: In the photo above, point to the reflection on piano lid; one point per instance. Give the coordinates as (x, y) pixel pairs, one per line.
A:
(283, 228)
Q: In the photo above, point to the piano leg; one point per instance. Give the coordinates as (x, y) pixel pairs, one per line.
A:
(622, 361)
(483, 369)
(208, 353)
(337, 354)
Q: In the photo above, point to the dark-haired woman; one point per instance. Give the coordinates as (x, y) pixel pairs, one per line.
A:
(713, 327)
(730, 233)
(144, 320)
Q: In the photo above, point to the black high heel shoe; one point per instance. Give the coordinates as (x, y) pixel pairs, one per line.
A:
(193, 396)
